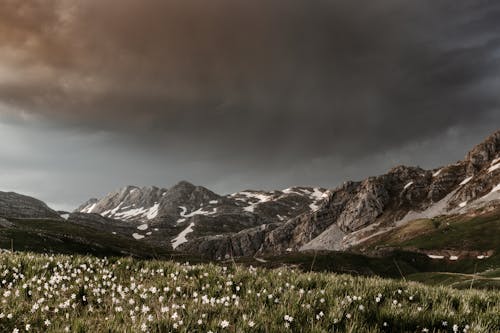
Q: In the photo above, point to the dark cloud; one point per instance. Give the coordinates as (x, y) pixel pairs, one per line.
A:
(265, 92)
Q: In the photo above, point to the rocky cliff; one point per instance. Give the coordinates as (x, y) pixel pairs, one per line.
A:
(358, 210)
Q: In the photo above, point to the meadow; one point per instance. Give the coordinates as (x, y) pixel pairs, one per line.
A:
(59, 293)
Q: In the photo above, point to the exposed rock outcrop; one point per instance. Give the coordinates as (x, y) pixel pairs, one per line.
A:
(358, 209)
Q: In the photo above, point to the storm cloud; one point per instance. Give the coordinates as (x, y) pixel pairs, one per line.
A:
(240, 94)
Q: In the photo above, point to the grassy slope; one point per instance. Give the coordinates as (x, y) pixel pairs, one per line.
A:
(166, 294)
(55, 236)
(404, 253)
(459, 232)
(458, 280)
(445, 233)
(465, 235)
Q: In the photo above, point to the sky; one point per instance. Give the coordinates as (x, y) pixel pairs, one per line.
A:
(232, 95)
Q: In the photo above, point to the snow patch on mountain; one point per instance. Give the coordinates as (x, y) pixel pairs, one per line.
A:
(437, 173)
(314, 207)
(252, 199)
(181, 238)
(433, 256)
(112, 212)
(89, 208)
(408, 185)
(200, 211)
(494, 194)
(127, 214)
(494, 167)
(495, 189)
(466, 180)
(153, 211)
(318, 196)
(291, 190)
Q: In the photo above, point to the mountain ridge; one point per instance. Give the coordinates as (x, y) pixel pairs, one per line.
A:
(391, 197)
(193, 219)
(328, 219)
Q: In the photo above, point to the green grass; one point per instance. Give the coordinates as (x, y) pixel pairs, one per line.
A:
(396, 265)
(54, 236)
(349, 263)
(462, 234)
(61, 237)
(459, 232)
(475, 234)
(91, 294)
(51, 236)
(457, 280)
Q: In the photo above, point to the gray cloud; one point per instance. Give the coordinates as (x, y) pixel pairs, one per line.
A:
(233, 93)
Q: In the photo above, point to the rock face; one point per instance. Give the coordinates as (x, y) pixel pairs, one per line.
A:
(483, 154)
(242, 244)
(129, 203)
(357, 210)
(13, 205)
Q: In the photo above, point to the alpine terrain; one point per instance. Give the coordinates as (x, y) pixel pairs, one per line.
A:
(193, 219)
(448, 217)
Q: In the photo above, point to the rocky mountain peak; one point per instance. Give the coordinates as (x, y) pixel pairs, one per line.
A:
(405, 172)
(127, 189)
(357, 210)
(87, 206)
(193, 218)
(483, 154)
(187, 193)
(183, 185)
(127, 203)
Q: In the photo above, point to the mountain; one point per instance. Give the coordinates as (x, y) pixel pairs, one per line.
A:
(28, 224)
(195, 220)
(185, 200)
(357, 211)
(14, 205)
(172, 217)
(396, 211)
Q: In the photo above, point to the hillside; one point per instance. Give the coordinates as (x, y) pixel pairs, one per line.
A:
(55, 236)
(14, 205)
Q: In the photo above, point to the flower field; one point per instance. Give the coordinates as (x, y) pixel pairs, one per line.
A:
(42, 293)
